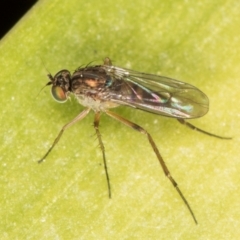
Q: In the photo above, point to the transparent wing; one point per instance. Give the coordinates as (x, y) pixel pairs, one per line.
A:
(157, 94)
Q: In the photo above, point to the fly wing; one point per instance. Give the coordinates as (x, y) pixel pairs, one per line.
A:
(157, 94)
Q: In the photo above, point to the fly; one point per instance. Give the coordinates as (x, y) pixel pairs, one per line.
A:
(102, 87)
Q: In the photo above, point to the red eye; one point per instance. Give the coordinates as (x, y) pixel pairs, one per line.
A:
(59, 94)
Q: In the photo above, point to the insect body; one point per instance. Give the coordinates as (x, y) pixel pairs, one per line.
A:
(102, 87)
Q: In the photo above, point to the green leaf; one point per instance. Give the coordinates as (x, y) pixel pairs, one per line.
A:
(66, 196)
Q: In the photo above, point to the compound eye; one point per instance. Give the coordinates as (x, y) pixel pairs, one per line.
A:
(59, 94)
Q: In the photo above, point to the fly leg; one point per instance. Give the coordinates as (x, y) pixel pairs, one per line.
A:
(76, 119)
(155, 149)
(96, 126)
(182, 121)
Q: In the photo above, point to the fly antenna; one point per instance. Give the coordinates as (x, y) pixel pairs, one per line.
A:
(49, 75)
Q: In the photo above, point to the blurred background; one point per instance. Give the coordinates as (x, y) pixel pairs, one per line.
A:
(11, 11)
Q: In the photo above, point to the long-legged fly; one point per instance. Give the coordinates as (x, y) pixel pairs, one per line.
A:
(102, 87)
